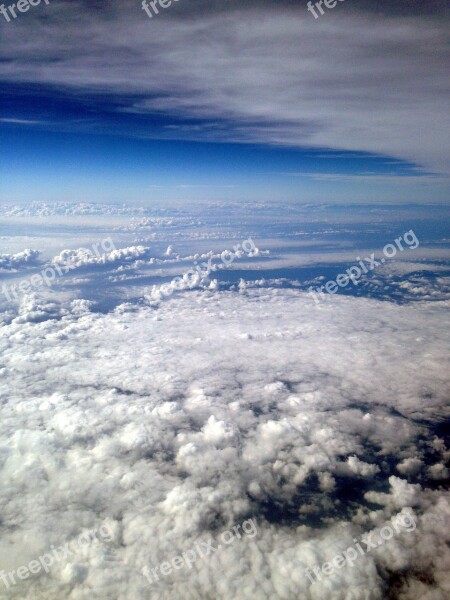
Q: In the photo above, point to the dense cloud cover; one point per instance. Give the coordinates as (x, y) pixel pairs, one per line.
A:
(173, 424)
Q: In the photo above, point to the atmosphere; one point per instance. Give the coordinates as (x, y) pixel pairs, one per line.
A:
(224, 300)
(271, 101)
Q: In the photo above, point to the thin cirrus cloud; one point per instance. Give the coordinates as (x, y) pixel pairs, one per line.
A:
(349, 81)
(405, 179)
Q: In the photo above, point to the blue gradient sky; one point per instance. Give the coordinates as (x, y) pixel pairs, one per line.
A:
(40, 165)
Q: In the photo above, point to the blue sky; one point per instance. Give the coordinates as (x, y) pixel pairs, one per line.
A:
(41, 165)
(260, 102)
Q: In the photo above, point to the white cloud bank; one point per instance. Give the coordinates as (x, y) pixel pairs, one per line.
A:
(81, 257)
(14, 262)
(171, 425)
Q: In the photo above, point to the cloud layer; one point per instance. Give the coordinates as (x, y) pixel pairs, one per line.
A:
(174, 424)
(350, 80)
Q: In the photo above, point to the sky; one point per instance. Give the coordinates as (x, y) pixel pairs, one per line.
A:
(224, 292)
(225, 101)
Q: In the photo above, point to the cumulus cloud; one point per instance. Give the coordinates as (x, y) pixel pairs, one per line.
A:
(13, 262)
(174, 424)
(85, 256)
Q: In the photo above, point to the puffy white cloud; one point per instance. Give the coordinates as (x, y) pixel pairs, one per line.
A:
(439, 471)
(355, 466)
(176, 423)
(86, 256)
(13, 262)
(410, 466)
(402, 494)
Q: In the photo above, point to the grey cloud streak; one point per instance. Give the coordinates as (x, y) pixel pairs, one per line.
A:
(351, 81)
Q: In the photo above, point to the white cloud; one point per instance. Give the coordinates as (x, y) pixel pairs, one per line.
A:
(85, 256)
(410, 466)
(180, 422)
(13, 262)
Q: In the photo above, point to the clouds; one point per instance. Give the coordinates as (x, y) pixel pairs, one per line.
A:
(311, 252)
(350, 81)
(175, 421)
(46, 209)
(170, 422)
(85, 256)
(14, 262)
(229, 406)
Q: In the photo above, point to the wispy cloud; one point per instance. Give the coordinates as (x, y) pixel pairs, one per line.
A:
(405, 179)
(349, 82)
(22, 121)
